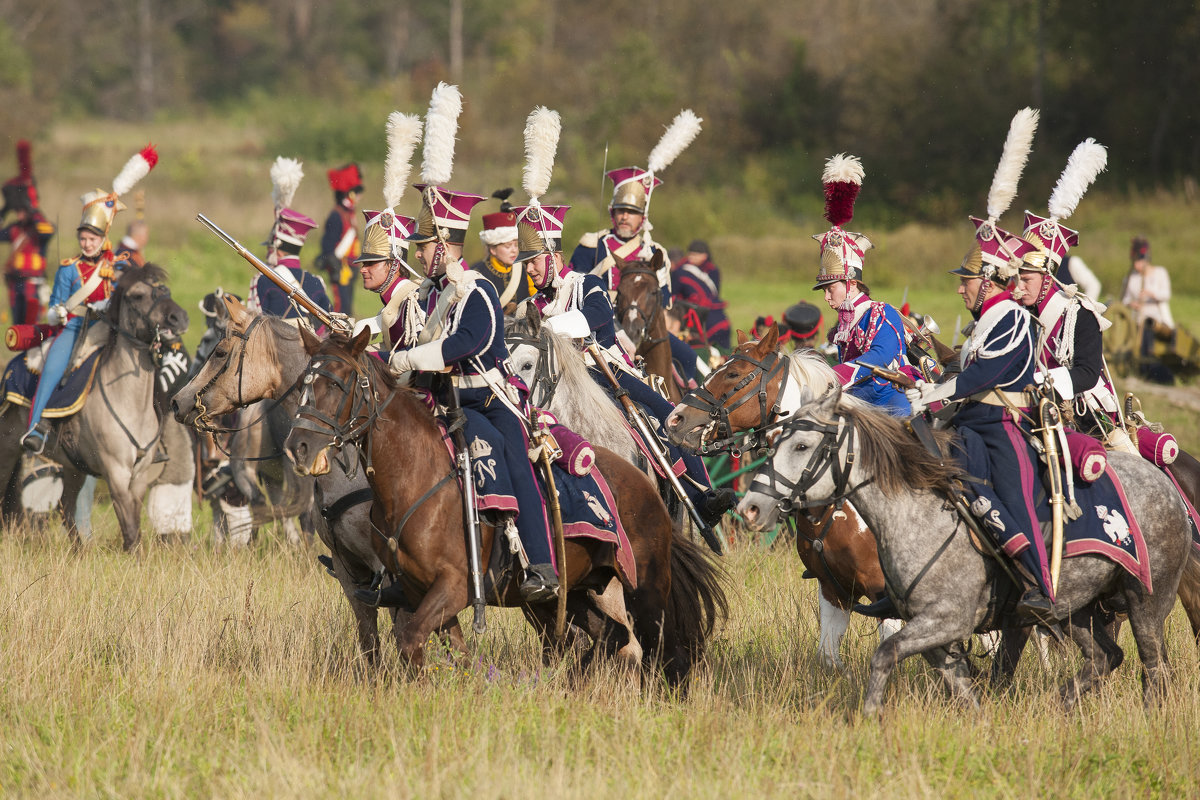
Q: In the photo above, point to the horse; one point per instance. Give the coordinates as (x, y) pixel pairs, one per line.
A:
(256, 364)
(942, 583)
(640, 313)
(834, 543)
(664, 620)
(116, 434)
(559, 381)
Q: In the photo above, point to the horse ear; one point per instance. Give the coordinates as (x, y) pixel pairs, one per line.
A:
(742, 337)
(312, 343)
(770, 341)
(534, 318)
(359, 343)
(238, 313)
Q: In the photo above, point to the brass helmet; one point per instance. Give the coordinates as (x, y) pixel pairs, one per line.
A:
(632, 187)
(99, 206)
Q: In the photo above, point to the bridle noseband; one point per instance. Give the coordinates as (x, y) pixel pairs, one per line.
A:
(765, 371)
(793, 495)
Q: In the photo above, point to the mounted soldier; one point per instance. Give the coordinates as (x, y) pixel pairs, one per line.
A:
(577, 305)
(29, 233)
(339, 240)
(868, 332)
(286, 239)
(464, 335)
(83, 284)
(499, 264)
(603, 253)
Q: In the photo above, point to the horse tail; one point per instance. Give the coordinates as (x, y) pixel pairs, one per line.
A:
(695, 605)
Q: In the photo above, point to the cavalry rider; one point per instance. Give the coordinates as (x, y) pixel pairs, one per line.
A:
(1070, 351)
(339, 240)
(697, 283)
(868, 331)
(573, 303)
(465, 332)
(499, 264)
(29, 233)
(283, 250)
(603, 252)
(82, 285)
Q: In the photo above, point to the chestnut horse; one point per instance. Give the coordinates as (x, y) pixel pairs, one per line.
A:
(641, 315)
(833, 542)
(351, 396)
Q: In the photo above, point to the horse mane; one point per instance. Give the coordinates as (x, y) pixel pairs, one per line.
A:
(809, 368)
(892, 455)
(130, 277)
(280, 329)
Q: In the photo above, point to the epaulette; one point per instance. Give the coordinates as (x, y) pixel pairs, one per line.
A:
(591, 239)
(44, 227)
(66, 261)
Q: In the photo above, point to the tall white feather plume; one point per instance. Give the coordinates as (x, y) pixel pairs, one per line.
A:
(1012, 162)
(286, 174)
(542, 129)
(403, 133)
(441, 126)
(843, 169)
(135, 169)
(1088, 161)
(684, 129)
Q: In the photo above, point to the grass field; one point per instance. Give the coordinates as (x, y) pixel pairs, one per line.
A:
(189, 672)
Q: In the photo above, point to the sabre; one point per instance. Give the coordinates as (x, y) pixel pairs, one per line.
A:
(457, 426)
(294, 292)
(638, 419)
(1051, 422)
(549, 450)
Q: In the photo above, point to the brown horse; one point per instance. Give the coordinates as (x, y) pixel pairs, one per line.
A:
(350, 396)
(641, 315)
(833, 542)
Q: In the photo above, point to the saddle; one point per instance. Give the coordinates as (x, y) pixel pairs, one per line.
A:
(20, 382)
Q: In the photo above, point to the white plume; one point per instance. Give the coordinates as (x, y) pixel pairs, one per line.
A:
(542, 129)
(286, 174)
(843, 169)
(1088, 161)
(441, 126)
(134, 170)
(684, 129)
(403, 133)
(1012, 162)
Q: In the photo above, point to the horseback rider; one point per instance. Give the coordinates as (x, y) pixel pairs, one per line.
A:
(697, 285)
(29, 233)
(603, 252)
(283, 250)
(868, 331)
(82, 286)
(499, 264)
(574, 303)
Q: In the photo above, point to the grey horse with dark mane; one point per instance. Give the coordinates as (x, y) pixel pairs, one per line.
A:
(257, 364)
(941, 583)
(117, 434)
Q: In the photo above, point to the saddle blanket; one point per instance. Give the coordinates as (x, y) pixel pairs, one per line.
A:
(67, 398)
(588, 507)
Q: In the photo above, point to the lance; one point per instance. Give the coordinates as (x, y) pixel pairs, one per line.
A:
(291, 289)
(656, 448)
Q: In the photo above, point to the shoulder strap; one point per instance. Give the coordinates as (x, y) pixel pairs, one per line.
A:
(622, 252)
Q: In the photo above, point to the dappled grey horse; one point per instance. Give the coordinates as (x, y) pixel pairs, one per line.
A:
(941, 583)
(116, 434)
(259, 361)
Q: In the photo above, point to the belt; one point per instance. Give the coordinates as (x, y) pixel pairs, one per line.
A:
(484, 380)
(999, 397)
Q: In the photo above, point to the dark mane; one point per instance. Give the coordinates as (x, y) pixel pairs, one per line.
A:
(894, 457)
(130, 277)
(375, 366)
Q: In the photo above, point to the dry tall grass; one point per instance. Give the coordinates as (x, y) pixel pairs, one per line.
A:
(188, 672)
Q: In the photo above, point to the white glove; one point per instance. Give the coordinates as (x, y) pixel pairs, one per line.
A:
(99, 305)
(400, 362)
(57, 315)
(925, 394)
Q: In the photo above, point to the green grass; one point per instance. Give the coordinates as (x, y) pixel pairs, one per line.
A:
(189, 672)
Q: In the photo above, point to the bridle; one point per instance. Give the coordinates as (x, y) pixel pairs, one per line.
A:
(545, 371)
(764, 371)
(826, 457)
(652, 316)
(203, 422)
(360, 405)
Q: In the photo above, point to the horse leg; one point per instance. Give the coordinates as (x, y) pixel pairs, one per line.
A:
(1146, 616)
(1004, 663)
(951, 662)
(1101, 654)
(72, 481)
(441, 603)
(611, 603)
(366, 618)
(833, 622)
(1189, 591)
(920, 634)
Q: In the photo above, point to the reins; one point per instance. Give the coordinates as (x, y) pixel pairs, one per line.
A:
(652, 317)
(764, 370)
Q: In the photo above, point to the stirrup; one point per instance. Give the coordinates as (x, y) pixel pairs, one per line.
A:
(34, 441)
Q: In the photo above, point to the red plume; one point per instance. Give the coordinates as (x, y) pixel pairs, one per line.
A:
(25, 160)
(839, 201)
(150, 154)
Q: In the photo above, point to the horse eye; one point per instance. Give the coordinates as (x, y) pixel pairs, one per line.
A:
(220, 352)
(800, 447)
(525, 366)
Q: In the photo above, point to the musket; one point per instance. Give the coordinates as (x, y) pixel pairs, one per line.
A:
(638, 419)
(457, 425)
(1051, 422)
(897, 377)
(294, 292)
(549, 451)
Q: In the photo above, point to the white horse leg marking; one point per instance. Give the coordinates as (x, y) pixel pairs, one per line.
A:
(612, 604)
(834, 622)
(888, 627)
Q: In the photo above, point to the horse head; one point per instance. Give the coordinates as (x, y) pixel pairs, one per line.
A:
(337, 404)
(242, 369)
(531, 354)
(141, 307)
(639, 299)
(738, 396)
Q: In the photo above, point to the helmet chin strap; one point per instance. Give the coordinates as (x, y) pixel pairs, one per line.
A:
(979, 298)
